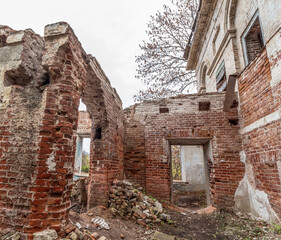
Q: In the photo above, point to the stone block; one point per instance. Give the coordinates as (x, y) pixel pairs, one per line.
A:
(46, 235)
(162, 236)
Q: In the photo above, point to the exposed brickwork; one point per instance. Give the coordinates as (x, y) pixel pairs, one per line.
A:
(185, 121)
(40, 91)
(254, 41)
(262, 145)
(256, 97)
(134, 156)
(106, 153)
(20, 110)
(84, 123)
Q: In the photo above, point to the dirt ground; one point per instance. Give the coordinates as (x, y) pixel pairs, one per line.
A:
(218, 225)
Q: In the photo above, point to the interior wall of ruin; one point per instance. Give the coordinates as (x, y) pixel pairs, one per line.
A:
(179, 118)
(260, 128)
(107, 150)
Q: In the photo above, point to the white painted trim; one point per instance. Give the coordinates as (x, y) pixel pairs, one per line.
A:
(244, 35)
(262, 121)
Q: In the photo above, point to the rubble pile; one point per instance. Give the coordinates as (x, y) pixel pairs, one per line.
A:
(128, 201)
(79, 195)
(83, 234)
(9, 234)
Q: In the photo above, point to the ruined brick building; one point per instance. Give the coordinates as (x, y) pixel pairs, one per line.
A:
(42, 81)
(235, 51)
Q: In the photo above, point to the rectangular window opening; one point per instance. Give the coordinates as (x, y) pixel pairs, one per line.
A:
(82, 158)
(252, 39)
(221, 78)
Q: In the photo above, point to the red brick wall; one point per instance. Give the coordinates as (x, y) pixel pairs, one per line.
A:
(185, 121)
(54, 169)
(134, 156)
(106, 153)
(256, 97)
(19, 128)
(38, 129)
(84, 123)
(253, 43)
(262, 145)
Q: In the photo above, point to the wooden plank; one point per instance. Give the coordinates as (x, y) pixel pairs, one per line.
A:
(230, 89)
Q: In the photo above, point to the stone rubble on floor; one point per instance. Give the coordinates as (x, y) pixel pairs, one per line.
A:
(84, 234)
(127, 200)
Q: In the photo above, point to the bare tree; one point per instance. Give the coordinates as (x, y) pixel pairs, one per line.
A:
(161, 66)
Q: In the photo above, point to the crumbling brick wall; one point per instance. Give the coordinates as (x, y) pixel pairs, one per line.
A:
(21, 106)
(107, 151)
(84, 123)
(42, 81)
(260, 105)
(134, 155)
(179, 118)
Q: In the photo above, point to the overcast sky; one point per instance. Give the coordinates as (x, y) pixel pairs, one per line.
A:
(110, 30)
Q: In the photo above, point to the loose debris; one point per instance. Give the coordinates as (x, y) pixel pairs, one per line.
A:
(82, 234)
(100, 222)
(79, 195)
(128, 201)
(9, 234)
(46, 235)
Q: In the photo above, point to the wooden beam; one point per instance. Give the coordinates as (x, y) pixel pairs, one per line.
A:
(230, 89)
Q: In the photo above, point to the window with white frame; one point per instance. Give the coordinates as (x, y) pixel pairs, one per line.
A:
(252, 39)
(221, 78)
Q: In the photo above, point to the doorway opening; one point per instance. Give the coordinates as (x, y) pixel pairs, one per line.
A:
(189, 175)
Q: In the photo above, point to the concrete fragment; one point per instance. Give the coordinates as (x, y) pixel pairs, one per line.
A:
(165, 217)
(95, 236)
(159, 207)
(79, 234)
(73, 236)
(15, 236)
(6, 233)
(101, 223)
(46, 235)
(102, 238)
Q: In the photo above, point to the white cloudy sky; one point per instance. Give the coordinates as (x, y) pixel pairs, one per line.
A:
(110, 30)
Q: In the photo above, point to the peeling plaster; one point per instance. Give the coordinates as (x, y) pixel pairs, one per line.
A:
(51, 164)
(243, 157)
(253, 201)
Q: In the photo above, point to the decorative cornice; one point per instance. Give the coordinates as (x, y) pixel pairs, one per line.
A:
(205, 15)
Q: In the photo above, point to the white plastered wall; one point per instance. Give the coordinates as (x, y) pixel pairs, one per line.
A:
(247, 197)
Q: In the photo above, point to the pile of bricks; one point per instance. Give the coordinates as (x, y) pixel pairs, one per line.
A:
(128, 200)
